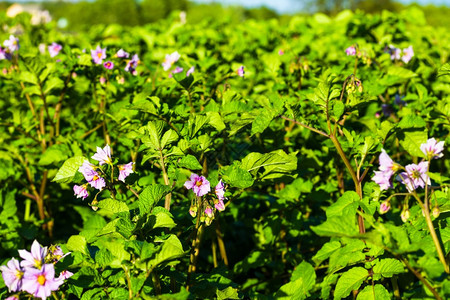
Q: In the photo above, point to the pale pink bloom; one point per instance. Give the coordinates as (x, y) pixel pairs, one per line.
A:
(103, 156)
(35, 258)
(13, 297)
(125, 170)
(198, 184)
(432, 149)
(12, 43)
(280, 52)
(240, 71)
(12, 274)
(415, 176)
(54, 49)
(98, 55)
(386, 163)
(383, 179)
(122, 54)
(170, 60)
(41, 283)
(64, 275)
(351, 51)
(220, 190)
(86, 168)
(80, 191)
(219, 205)
(176, 71)
(190, 71)
(408, 53)
(109, 65)
(102, 80)
(95, 180)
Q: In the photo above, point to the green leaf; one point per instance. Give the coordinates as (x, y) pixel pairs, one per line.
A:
(337, 226)
(216, 121)
(325, 252)
(444, 70)
(238, 177)
(338, 109)
(411, 141)
(346, 206)
(375, 292)
(349, 281)
(78, 243)
(53, 154)
(401, 72)
(302, 281)
(169, 137)
(189, 162)
(28, 77)
(275, 164)
(104, 257)
(53, 83)
(261, 121)
(69, 169)
(171, 249)
(113, 206)
(162, 220)
(150, 196)
(228, 293)
(388, 267)
(154, 130)
(412, 121)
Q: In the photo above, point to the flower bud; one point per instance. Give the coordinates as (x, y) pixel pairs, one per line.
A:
(385, 207)
(436, 212)
(405, 215)
(193, 211)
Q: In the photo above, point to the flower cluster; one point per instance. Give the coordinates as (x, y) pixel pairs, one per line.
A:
(207, 205)
(11, 45)
(99, 54)
(170, 60)
(413, 175)
(398, 54)
(35, 274)
(94, 175)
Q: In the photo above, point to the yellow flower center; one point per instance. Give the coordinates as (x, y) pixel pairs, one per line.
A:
(41, 279)
(95, 178)
(198, 183)
(19, 274)
(99, 55)
(415, 174)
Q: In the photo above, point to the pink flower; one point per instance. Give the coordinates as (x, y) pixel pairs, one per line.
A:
(64, 275)
(386, 163)
(199, 184)
(132, 64)
(190, 71)
(125, 170)
(98, 55)
(122, 54)
(103, 156)
(95, 180)
(12, 43)
(240, 71)
(170, 60)
(385, 207)
(408, 53)
(35, 258)
(109, 65)
(86, 168)
(41, 283)
(415, 176)
(80, 191)
(432, 149)
(102, 80)
(220, 190)
(351, 51)
(4, 54)
(218, 204)
(176, 71)
(394, 52)
(12, 274)
(209, 212)
(280, 52)
(383, 179)
(13, 297)
(54, 49)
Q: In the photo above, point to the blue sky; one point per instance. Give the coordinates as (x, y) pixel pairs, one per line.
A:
(289, 6)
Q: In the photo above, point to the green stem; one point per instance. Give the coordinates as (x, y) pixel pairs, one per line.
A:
(166, 180)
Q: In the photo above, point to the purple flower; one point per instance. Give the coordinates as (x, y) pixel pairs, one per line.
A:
(176, 71)
(98, 55)
(351, 51)
(56, 253)
(385, 206)
(132, 64)
(408, 53)
(399, 100)
(415, 176)
(432, 149)
(12, 274)
(95, 180)
(280, 52)
(122, 54)
(125, 170)
(86, 168)
(4, 54)
(170, 60)
(35, 258)
(103, 156)
(386, 109)
(12, 43)
(190, 71)
(109, 65)
(80, 191)
(199, 184)
(383, 179)
(54, 49)
(41, 283)
(218, 204)
(387, 164)
(220, 190)
(240, 71)
(13, 297)
(394, 52)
